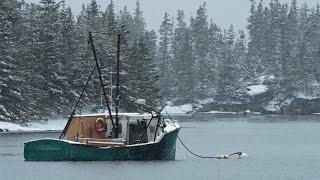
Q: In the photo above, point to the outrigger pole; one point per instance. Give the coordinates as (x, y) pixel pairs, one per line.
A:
(115, 127)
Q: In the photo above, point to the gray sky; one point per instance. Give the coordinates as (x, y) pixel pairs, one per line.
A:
(223, 12)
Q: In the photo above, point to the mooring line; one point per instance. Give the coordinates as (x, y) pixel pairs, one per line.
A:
(241, 155)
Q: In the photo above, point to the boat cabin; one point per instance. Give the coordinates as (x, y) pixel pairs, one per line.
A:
(95, 129)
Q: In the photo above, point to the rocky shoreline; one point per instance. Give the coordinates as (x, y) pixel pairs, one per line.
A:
(265, 103)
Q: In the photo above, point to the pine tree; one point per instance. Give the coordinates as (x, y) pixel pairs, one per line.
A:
(216, 46)
(240, 53)
(274, 37)
(93, 17)
(165, 56)
(25, 33)
(48, 64)
(241, 73)
(227, 82)
(254, 43)
(290, 63)
(109, 18)
(199, 29)
(143, 75)
(311, 61)
(304, 75)
(139, 25)
(67, 57)
(11, 99)
(182, 62)
(153, 91)
(126, 20)
(315, 42)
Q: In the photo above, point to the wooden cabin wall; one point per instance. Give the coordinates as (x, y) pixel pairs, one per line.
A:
(84, 127)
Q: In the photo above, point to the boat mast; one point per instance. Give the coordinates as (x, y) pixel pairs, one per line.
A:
(101, 81)
(111, 85)
(118, 86)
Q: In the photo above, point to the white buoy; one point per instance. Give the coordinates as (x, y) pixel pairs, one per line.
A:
(224, 156)
(243, 156)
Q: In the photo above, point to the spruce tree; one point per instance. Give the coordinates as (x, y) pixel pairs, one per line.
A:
(139, 25)
(182, 62)
(11, 99)
(25, 34)
(142, 74)
(216, 46)
(67, 56)
(48, 64)
(199, 29)
(227, 82)
(165, 57)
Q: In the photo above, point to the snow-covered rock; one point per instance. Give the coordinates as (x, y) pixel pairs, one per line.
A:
(254, 90)
(301, 106)
(181, 109)
(272, 106)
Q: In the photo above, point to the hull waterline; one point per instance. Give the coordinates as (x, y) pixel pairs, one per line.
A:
(62, 150)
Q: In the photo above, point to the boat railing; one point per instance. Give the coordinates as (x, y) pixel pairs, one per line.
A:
(103, 142)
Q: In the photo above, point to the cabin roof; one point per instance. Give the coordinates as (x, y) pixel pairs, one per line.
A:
(113, 114)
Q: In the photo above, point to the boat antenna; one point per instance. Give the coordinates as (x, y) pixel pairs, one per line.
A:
(115, 127)
(118, 84)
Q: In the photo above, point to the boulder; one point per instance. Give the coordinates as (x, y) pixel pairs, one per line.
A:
(299, 106)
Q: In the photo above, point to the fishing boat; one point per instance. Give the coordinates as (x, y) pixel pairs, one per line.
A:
(109, 136)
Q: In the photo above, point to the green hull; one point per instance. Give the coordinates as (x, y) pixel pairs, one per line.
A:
(61, 150)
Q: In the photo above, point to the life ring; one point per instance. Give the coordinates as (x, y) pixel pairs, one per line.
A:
(100, 126)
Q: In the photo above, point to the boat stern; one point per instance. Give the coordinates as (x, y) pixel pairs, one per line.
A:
(47, 150)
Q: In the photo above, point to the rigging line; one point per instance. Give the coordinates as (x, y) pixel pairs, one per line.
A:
(74, 109)
(100, 77)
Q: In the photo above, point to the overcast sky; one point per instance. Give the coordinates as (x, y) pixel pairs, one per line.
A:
(223, 12)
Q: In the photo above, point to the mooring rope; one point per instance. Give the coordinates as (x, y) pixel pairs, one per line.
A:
(240, 154)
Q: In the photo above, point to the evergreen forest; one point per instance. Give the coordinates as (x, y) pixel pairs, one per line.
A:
(45, 58)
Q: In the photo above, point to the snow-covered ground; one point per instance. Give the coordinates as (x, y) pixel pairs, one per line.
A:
(304, 96)
(247, 112)
(257, 89)
(206, 101)
(219, 112)
(176, 110)
(51, 125)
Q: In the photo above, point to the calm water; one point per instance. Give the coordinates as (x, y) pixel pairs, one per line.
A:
(279, 147)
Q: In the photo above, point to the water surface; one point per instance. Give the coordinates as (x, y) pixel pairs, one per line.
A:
(279, 147)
